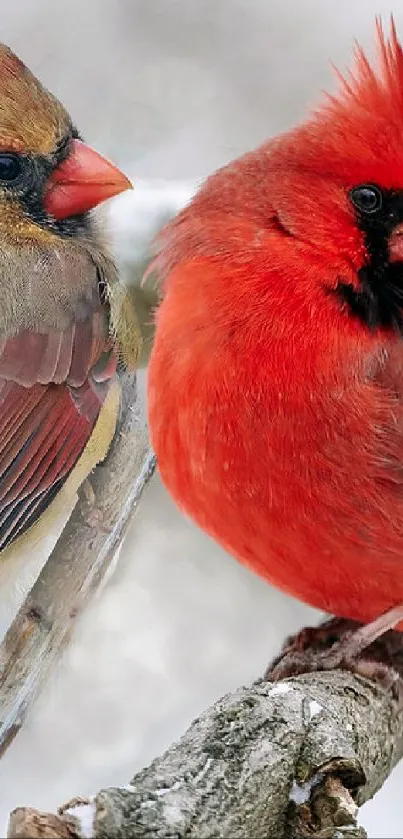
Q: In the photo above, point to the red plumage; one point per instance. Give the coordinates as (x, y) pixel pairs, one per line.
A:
(276, 411)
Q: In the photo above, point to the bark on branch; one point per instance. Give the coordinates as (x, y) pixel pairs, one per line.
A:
(280, 760)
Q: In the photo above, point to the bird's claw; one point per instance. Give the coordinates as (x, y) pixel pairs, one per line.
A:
(93, 514)
(335, 645)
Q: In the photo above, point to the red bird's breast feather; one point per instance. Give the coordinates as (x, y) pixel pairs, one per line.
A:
(276, 413)
(282, 436)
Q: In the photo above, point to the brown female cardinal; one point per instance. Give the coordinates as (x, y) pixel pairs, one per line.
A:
(64, 319)
(276, 378)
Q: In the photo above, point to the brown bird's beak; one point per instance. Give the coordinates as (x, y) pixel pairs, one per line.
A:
(81, 182)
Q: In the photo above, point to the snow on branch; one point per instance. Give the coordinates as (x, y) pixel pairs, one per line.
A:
(295, 758)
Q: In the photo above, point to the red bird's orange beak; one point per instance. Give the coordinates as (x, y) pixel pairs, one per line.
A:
(81, 182)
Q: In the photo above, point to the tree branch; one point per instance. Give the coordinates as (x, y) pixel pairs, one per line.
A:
(76, 566)
(272, 761)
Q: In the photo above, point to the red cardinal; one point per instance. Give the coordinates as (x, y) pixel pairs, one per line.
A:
(63, 317)
(276, 378)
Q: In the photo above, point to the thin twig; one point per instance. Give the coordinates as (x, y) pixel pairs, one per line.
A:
(76, 565)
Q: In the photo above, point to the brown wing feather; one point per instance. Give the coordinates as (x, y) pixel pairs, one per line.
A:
(56, 360)
(55, 356)
(49, 404)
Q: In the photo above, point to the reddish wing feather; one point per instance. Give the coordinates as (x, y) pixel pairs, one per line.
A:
(49, 403)
(54, 356)
(42, 447)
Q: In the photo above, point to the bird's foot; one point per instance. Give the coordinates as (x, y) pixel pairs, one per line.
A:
(371, 650)
(88, 492)
(93, 515)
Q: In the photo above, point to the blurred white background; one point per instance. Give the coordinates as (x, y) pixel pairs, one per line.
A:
(170, 89)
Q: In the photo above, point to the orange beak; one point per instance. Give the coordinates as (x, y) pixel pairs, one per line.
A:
(81, 182)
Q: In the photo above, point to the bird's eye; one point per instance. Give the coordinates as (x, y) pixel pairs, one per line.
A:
(367, 198)
(10, 167)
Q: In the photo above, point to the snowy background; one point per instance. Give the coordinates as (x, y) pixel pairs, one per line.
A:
(170, 89)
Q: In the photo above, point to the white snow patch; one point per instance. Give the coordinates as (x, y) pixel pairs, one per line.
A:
(314, 709)
(301, 793)
(85, 815)
(279, 689)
